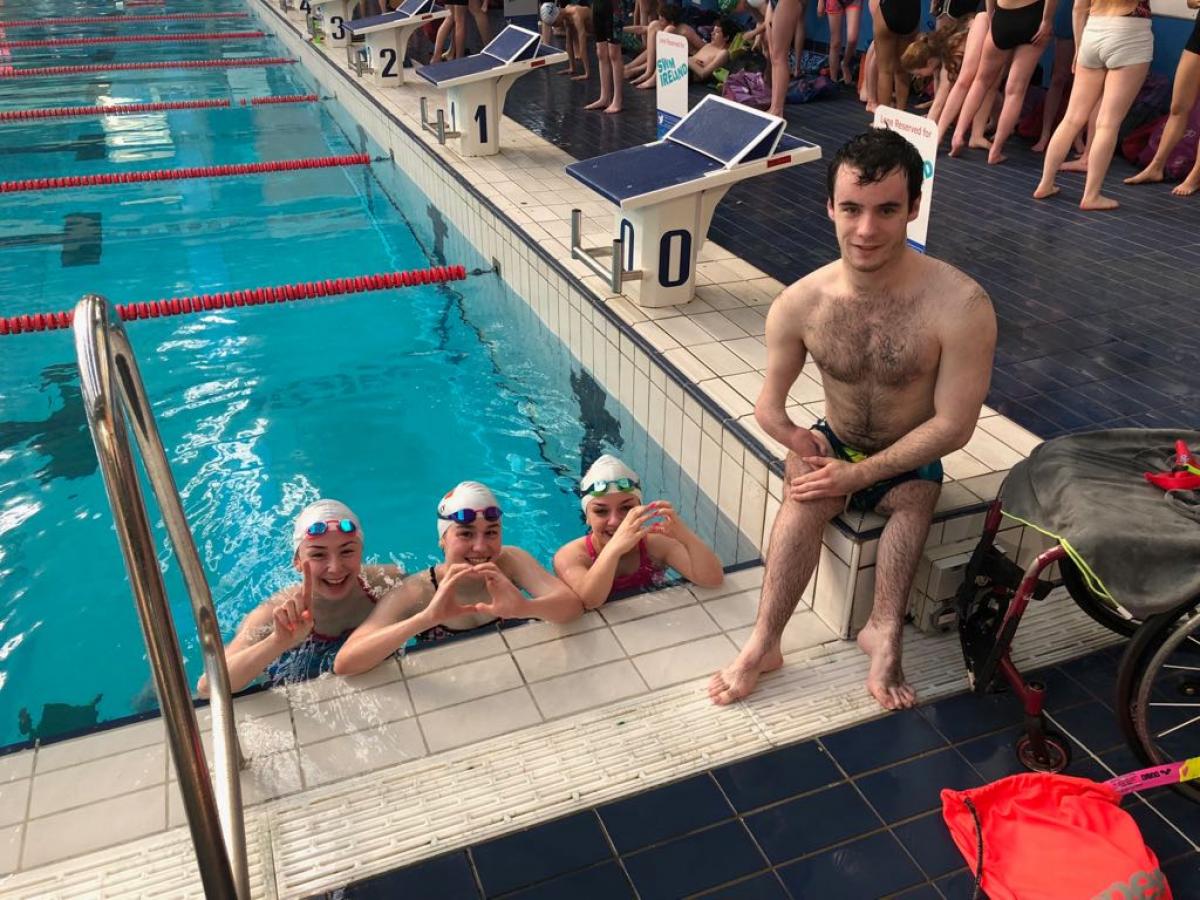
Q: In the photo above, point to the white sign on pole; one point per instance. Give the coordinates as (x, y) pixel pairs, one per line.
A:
(921, 133)
(672, 79)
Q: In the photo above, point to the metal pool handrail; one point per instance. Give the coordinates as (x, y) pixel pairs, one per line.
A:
(112, 389)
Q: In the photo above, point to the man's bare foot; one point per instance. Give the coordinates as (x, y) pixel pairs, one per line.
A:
(1186, 188)
(599, 104)
(1152, 174)
(1047, 191)
(612, 108)
(583, 77)
(995, 157)
(979, 143)
(1040, 146)
(1075, 165)
(956, 146)
(741, 676)
(1100, 202)
(886, 680)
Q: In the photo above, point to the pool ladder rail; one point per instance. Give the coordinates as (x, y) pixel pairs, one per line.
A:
(114, 402)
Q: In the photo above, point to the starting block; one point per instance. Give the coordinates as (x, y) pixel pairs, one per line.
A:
(388, 36)
(328, 18)
(477, 85)
(667, 192)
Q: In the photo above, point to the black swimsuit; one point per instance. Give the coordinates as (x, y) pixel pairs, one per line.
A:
(441, 632)
(901, 16)
(1013, 27)
(1193, 44)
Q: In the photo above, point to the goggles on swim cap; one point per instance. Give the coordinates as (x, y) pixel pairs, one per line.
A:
(345, 526)
(600, 486)
(467, 516)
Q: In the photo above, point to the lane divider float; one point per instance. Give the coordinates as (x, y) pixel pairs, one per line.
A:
(120, 20)
(286, 293)
(132, 39)
(105, 178)
(125, 109)
(11, 72)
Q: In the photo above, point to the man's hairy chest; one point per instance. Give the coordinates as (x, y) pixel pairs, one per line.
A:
(885, 342)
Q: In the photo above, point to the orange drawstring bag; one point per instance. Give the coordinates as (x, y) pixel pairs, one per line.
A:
(1052, 837)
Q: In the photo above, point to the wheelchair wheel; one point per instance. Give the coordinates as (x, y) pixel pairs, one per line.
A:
(1096, 607)
(1058, 752)
(1158, 690)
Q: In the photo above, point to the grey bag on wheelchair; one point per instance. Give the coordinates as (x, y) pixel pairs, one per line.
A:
(1134, 543)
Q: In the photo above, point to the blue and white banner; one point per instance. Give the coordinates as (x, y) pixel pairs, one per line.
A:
(671, 68)
(921, 133)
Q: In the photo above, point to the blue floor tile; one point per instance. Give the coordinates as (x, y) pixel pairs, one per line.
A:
(800, 826)
(664, 812)
(867, 868)
(1097, 672)
(761, 887)
(777, 775)
(914, 787)
(959, 886)
(1092, 724)
(965, 716)
(921, 892)
(602, 882)
(540, 853)
(928, 840)
(1062, 691)
(446, 876)
(882, 742)
(1160, 836)
(1183, 813)
(691, 864)
(994, 755)
(1183, 875)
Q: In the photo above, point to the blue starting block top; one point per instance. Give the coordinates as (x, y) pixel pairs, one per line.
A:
(411, 9)
(511, 46)
(715, 144)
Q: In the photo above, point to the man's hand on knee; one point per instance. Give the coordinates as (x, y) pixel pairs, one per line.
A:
(827, 478)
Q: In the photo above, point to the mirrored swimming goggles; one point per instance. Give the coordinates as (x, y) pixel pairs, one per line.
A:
(345, 526)
(597, 488)
(467, 516)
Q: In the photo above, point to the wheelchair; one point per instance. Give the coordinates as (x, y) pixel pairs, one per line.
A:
(1158, 679)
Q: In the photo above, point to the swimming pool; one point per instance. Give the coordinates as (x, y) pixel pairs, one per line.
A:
(384, 400)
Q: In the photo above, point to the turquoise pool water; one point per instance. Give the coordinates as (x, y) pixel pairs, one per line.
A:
(384, 400)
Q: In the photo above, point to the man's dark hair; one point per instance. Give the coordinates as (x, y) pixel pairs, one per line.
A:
(729, 27)
(876, 153)
(672, 12)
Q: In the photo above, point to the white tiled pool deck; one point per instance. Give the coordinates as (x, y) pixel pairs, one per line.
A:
(351, 777)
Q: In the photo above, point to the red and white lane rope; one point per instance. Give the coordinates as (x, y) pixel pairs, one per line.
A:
(37, 71)
(120, 20)
(106, 178)
(127, 109)
(154, 309)
(133, 39)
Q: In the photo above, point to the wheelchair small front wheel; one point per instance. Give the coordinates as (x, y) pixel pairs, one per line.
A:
(1057, 758)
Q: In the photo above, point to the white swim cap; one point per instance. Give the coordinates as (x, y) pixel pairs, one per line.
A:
(466, 495)
(324, 512)
(756, 4)
(608, 470)
(548, 12)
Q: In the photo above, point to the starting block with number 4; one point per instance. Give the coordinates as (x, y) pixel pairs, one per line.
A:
(666, 193)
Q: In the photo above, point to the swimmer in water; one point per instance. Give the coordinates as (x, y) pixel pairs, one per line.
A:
(297, 632)
(480, 580)
(629, 545)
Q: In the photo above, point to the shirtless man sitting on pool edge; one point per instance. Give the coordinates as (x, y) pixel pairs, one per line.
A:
(904, 344)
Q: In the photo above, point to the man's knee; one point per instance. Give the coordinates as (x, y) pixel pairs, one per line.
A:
(917, 496)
